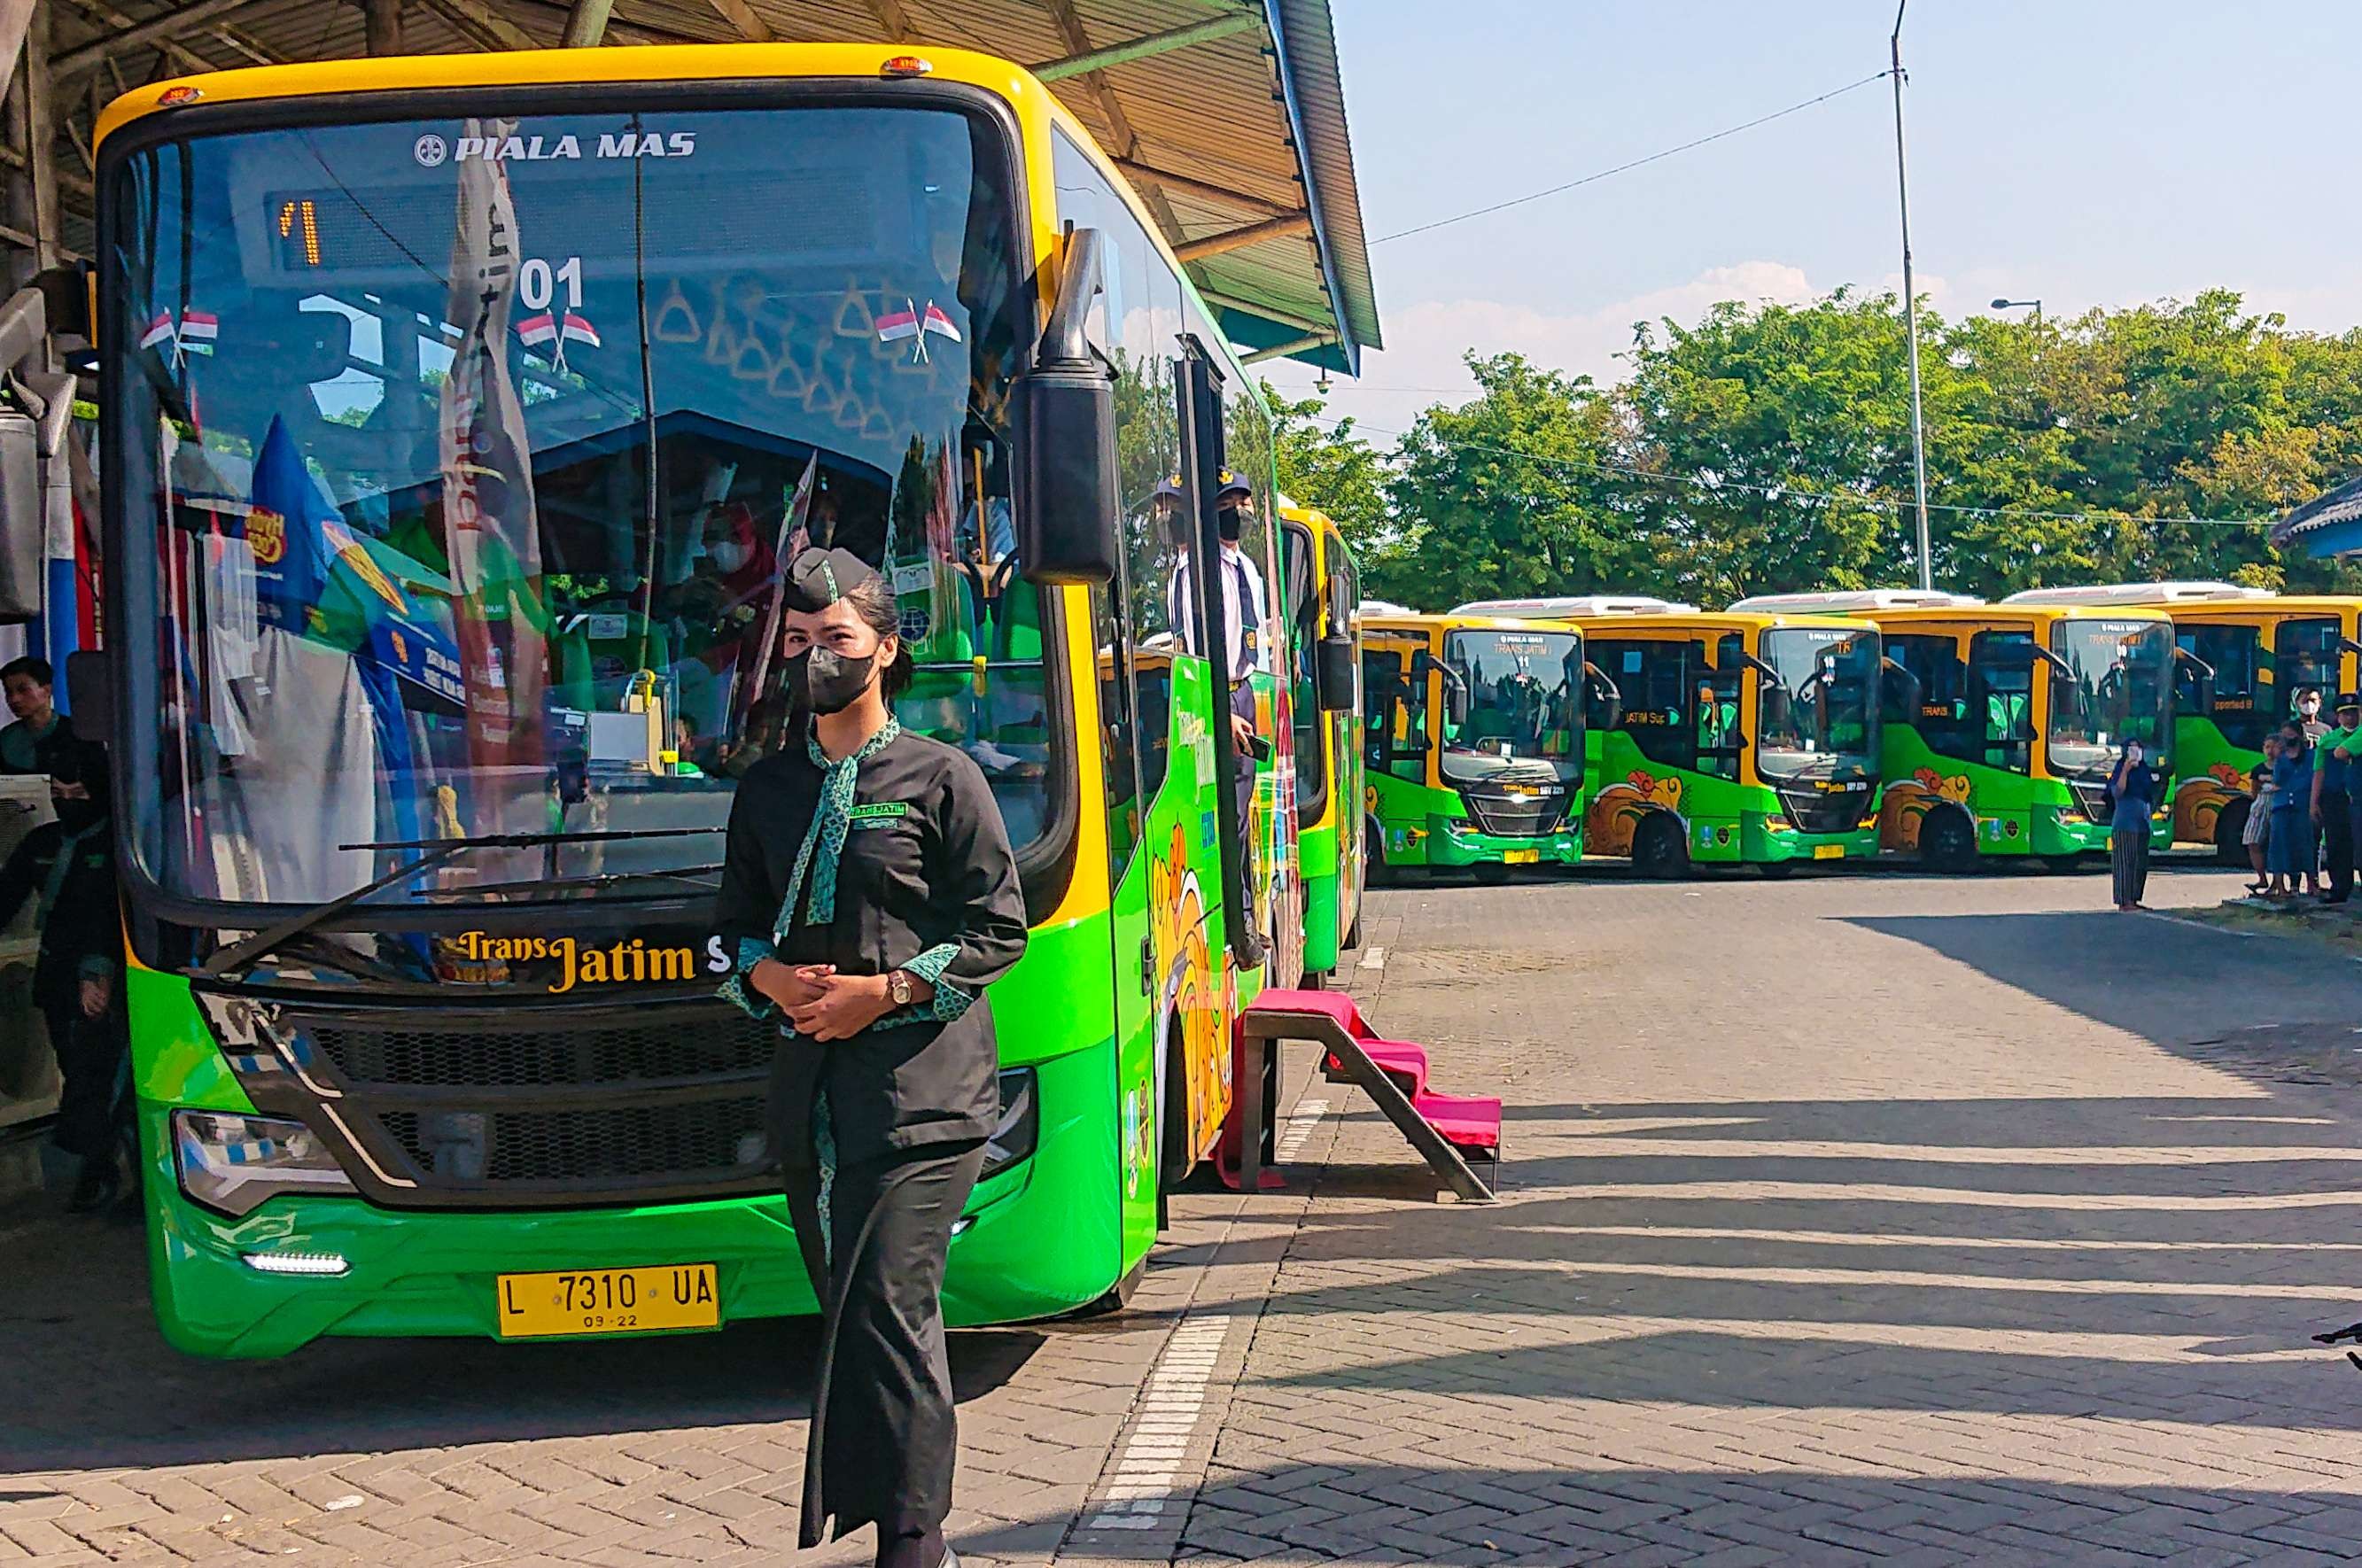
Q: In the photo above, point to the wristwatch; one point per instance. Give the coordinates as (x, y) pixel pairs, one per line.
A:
(898, 986)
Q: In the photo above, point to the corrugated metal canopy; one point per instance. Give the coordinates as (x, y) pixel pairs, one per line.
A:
(2328, 524)
(1228, 114)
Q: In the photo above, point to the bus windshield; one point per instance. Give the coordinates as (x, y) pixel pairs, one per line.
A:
(2113, 683)
(1818, 718)
(1523, 705)
(470, 450)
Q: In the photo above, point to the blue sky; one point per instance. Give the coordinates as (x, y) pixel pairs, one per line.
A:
(2086, 151)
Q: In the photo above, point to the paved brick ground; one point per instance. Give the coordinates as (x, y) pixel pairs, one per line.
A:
(1848, 1220)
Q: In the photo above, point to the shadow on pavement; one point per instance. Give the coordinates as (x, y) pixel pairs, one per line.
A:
(91, 1384)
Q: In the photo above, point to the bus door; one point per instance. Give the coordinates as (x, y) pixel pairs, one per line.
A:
(1394, 701)
(1341, 594)
(2306, 650)
(2000, 699)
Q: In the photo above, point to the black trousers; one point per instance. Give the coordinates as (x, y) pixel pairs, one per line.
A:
(2338, 839)
(884, 1438)
(94, 1099)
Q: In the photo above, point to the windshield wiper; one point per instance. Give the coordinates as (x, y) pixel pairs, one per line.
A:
(244, 952)
(691, 874)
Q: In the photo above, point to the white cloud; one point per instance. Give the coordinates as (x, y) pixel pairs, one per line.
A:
(1423, 365)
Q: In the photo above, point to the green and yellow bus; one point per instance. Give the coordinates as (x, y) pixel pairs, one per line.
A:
(2003, 721)
(1735, 738)
(2245, 653)
(1324, 595)
(456, 412)
(1471, 731)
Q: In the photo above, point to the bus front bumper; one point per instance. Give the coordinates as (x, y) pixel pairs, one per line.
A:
(412, 1273)
(2063, 830)
(1760, 843)
(1455, 842)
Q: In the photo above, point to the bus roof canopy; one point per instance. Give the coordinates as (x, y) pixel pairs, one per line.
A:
(1228, 114)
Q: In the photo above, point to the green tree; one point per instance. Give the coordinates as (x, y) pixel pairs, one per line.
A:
(1512, 493)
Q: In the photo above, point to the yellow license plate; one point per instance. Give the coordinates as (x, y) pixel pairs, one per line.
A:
(608, 1301)
(1520, 856)
(1829, 851)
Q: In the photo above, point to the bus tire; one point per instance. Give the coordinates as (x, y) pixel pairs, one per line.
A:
(1777, 871)
(1948, 841)
(1661, 849)
(1491, 873)
(2231, 832)
(1353, 935)
(2064, 864)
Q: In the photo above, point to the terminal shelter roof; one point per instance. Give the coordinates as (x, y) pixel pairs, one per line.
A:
(1228, 114)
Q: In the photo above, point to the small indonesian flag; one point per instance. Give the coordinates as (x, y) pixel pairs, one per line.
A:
(894, 325)
(577, 329)
(160, 331)
(539, 331)
(936, 321)
(198, 330)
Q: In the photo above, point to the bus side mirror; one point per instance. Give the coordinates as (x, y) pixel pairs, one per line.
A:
(1066, 493)
(2205, 693)
(1335, 662)
(1904, 691)
(1611, 700)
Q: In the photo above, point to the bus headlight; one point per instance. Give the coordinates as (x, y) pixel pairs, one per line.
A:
(232, 1164)
(1021, 1122)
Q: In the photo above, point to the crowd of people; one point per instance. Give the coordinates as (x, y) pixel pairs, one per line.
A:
(65, 867)
(2302, 832)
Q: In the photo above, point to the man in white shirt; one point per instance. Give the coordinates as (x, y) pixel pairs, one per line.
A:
(1246, 610)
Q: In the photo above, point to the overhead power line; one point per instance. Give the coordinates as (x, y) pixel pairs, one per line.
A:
(1634, 163)
(1821, 497)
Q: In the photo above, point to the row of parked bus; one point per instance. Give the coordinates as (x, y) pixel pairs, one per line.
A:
(1832, 726)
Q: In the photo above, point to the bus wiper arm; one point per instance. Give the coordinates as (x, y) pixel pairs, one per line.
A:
(244, 952)
(694, 876)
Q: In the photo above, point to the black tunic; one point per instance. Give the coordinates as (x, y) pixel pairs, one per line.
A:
(925, 866)
(924, 883)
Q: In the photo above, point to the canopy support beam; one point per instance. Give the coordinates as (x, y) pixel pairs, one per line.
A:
(741, 15)
(488, 28)
(586, 24)
(171, 24)
(1149, 45)
(1267, 313)
(383, 19)
(1293, 345)
(1196, 189)
(171, 47)
(1240, 239)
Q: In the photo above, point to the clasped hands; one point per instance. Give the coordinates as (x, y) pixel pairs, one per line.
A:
(820, 1002)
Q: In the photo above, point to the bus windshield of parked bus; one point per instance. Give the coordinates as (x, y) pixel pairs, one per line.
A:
(2113, 683)
(470, 448)
(1523, 702)
(1819, 711)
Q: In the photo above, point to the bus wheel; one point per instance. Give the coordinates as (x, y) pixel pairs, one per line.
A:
(1353, 937)
(1119, 1295)
(1948, 841)
(1491, 873)
(2230, 832)
(2063, 864)
(1374, 869)
(1777, 871)
(1660, 848)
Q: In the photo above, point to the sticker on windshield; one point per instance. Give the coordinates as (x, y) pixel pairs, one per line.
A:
(431, 151)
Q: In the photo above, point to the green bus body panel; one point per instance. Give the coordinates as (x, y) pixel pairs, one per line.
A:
(1726, 823)
(1321, 867)
(2016, 813)
(2210, 772)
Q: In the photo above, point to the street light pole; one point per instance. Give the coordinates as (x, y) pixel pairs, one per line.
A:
(1911, 315)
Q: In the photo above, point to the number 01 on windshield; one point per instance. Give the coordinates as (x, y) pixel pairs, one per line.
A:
(608, 1301)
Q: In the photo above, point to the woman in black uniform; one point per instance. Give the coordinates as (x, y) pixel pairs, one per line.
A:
(870, 894)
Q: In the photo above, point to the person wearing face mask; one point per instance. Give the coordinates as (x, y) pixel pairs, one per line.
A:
(1244, 611)
(68, 866)
(871, 897)
(2132, 794)
(2307, 714)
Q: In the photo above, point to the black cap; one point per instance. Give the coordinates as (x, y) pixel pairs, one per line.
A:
(818, 579)
(2348, 700)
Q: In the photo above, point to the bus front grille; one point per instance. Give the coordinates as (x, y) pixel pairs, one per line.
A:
(1516, 816)
(2091, 800)
(603, 1149)
(549, 1054)
(1815, 810)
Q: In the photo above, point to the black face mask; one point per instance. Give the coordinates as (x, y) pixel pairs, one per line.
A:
(821, 680)
(76, 815)
(1228, 522)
